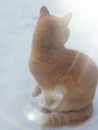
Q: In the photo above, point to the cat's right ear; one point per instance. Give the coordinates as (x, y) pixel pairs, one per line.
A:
(44, 11)
(67, 18)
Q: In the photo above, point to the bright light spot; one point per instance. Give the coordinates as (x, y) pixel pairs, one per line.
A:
(60, 90)
(85, 10)
(32, 113)
(31, 116)
(84, 20)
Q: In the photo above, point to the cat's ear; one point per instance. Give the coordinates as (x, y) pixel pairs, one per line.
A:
(67, 18)
(44, 11)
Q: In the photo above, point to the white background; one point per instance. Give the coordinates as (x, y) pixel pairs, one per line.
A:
(17, 23)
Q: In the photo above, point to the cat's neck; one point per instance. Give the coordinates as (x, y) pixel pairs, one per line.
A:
(41, 49)
(46, 45)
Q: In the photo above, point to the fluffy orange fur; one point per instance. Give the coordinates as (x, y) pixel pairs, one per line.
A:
(52, 64)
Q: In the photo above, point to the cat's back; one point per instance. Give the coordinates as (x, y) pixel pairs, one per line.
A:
(62, 65)
(80, 67)
(78, 61)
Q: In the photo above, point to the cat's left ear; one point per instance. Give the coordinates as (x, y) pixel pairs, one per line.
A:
(67, 18)
(44, 11)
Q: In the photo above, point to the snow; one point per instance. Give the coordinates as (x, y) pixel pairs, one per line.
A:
(17, 23)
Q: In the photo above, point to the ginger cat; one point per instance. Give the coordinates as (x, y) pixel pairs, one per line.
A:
(52, 64)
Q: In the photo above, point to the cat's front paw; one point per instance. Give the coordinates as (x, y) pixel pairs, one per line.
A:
(45, 110)
(36, 92)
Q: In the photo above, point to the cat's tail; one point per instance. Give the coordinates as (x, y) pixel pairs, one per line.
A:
(68, 118)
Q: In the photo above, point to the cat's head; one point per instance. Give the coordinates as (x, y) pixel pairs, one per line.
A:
(53, 29)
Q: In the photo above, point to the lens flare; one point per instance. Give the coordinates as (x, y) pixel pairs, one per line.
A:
(60, 90)
(32, 116)
(83, 9)
(32, 112)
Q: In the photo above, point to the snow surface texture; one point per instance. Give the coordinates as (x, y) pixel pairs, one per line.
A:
(17, 22)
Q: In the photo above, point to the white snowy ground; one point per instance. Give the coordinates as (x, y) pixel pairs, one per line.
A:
(17, 22)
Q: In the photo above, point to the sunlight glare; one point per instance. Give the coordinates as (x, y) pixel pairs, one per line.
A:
(85, 10)
(32, 113)
(85, 16)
